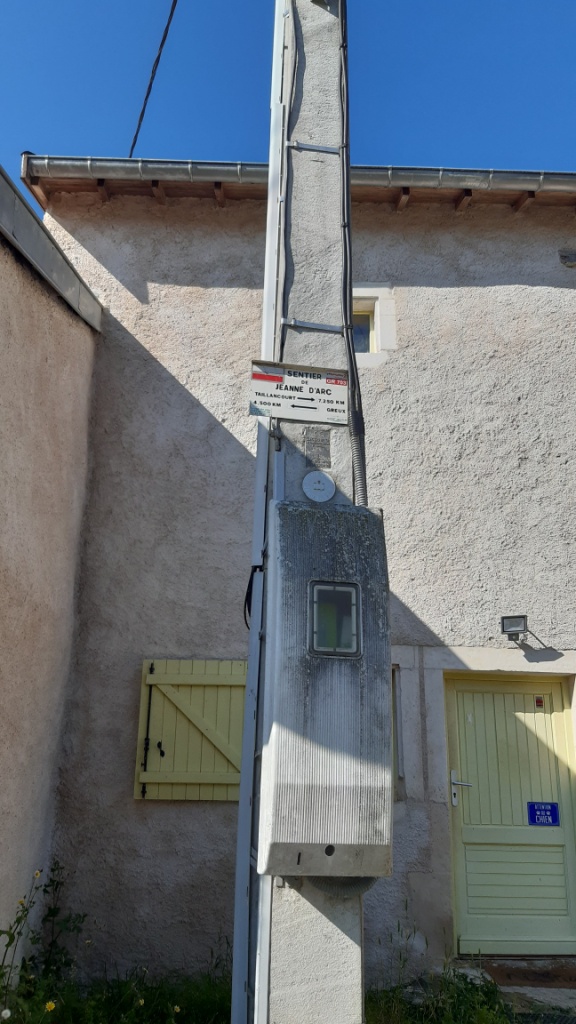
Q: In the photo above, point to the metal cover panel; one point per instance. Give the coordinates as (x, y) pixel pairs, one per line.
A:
(326, 759)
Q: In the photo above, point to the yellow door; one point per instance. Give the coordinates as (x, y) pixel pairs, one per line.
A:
(510, 739)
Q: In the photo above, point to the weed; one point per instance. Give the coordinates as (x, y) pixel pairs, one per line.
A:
(45, 992)
(450, 998)
(12, 936)
(52, 957)
(406, 946)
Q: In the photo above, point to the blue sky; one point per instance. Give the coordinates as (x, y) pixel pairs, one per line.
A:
(449, 83)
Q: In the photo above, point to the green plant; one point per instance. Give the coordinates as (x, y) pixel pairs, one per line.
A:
(52, 957)
(12, 936)
(125, 1000)
(406, 944)
(47, 993)
(450, 998)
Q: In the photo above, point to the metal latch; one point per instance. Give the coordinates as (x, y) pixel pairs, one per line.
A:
(454, 782)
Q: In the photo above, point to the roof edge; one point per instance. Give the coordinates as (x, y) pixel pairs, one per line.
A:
(23, 229)
(125, 169)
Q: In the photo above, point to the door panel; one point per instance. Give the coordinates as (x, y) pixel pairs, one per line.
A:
(513, 882)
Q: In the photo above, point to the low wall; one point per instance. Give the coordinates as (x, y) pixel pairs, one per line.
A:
(47, 356)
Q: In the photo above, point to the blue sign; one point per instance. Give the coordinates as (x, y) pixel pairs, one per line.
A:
(543, 814)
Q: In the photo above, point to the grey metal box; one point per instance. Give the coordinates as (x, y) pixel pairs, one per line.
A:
(326, 758)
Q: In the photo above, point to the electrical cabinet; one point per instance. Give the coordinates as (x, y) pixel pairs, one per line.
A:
(326, 787)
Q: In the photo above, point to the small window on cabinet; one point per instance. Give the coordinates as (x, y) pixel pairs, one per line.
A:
(335, 619)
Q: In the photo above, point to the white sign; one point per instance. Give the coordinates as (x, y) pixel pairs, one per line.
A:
(303, 393)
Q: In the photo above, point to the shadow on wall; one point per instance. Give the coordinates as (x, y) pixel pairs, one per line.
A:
(193, 242)
(407, 628)
(188, 243)
(408, 917)
(165, 562)
(170, 508)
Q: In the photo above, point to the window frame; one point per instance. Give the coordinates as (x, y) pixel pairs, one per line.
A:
(376, 300)
(312, 607)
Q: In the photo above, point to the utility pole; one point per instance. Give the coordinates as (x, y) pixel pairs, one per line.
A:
(315, 803)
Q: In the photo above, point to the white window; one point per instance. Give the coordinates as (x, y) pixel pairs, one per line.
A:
(374, 323)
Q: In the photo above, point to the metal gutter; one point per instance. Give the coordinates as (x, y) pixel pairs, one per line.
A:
(122, 169)
(455, 178)
(23, 229)
(93, 169)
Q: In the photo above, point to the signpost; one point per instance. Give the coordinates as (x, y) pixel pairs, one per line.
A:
(308, 394)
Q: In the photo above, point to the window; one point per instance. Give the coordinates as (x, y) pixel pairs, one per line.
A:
(374, 319)
(363, 332)
(335, 619)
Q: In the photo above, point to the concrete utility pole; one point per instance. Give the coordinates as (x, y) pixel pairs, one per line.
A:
(315, 804)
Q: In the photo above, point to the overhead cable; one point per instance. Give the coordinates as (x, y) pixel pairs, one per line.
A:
(153, 76)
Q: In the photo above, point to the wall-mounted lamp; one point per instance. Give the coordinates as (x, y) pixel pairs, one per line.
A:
(514, 625)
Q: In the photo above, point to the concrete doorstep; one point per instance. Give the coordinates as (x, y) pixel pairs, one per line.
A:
(541, 990)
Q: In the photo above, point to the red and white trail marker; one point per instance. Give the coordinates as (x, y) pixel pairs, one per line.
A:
(305, 393)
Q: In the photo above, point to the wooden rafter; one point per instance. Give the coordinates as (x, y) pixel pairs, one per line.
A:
(103, 190)
(219, 194)
(39, 192)
(403, 199)
(523, 201)
(158, 192)
(463, 200)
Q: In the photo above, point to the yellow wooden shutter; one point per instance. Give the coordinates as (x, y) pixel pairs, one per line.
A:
(190, 730)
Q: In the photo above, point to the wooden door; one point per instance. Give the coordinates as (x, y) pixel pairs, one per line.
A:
(510, 738)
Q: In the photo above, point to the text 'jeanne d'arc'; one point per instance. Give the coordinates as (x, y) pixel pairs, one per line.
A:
(302, 393)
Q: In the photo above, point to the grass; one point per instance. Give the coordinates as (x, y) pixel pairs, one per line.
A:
(451, 998)
(129, 1000)
(448, 999)
(42, 989)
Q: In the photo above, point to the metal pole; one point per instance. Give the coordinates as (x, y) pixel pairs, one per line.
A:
(253, 894)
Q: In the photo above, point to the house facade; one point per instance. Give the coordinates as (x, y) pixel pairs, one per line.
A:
(468, 298)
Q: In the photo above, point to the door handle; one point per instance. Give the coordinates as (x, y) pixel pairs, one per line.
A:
(454, 782)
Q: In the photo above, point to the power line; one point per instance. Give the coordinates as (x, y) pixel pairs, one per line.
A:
(153, 76)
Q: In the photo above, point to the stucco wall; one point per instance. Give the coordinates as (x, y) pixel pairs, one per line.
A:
(469, 425)
(47, 355)
(166, 561)
(471, 420)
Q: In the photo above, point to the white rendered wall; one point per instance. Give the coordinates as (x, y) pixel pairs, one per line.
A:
(470, 424)
(47, 356)
(470, 421)
(166, 561)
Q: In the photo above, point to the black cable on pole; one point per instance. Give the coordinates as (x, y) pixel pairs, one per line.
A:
(286, 205)
(153, 76)
(356, 416)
